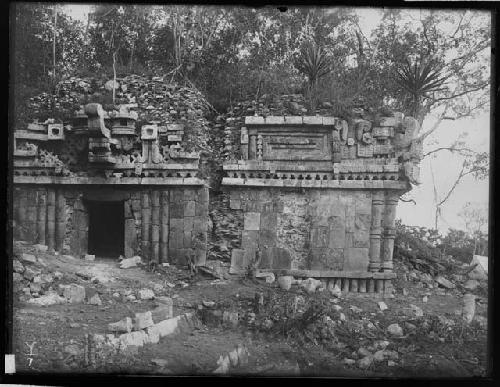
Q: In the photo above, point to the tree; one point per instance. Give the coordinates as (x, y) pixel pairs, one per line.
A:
(475, 217)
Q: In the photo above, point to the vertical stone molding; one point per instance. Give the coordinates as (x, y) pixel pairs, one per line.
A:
(22, 213)
(60, 220)
(146, 224)
(51, 219)
(155, 226)
(41, 215)
(391, 201)
(376, 230)
(164, 226)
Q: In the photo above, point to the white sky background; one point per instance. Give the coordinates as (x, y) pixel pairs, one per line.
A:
(446, 165)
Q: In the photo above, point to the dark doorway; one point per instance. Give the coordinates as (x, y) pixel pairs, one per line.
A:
(106, 228)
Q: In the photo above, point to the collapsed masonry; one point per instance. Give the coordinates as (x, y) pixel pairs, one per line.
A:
(318, 196)
(99, 186)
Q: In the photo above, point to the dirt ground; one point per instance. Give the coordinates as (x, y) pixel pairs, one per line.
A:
(428, 348)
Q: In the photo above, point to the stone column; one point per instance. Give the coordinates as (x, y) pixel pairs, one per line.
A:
(391, 201)
(60, 220)
(145, 224)
(376, 230)
(164, 227)
(155, 225)
(51, 219)
(41, 217)
(252, 148)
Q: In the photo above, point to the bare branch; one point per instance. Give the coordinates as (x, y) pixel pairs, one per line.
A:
(450, 148)
(407, 200)
(434, 100)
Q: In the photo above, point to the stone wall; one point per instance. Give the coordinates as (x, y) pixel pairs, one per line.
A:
(161, 224)
(305, 229)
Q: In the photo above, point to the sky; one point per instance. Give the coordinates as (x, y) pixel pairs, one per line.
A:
(445, 165)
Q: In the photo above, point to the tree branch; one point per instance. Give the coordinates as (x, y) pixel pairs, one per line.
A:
(450, 148)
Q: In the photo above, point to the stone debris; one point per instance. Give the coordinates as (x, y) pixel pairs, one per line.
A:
(159, 362)
(285, 282)
(74, 293)
(124, 325)
(335, 290)
(28, 258)
(269, 277)
(42, 248)
(89, 257)
(310, 285)
(471, 284)
(145, 294)
(417, 310)
(130, 262)
(95, 300)
(230, 318)
(17, 266)
(382, 305)
(162, 312)
(50, 298)
(365, 362)
(395, 330)
(237, 357)
(425, 299)
(445, 283)
(469, 307)
(208, 304)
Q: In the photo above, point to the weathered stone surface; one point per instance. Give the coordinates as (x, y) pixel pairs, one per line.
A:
(143, 320)
(469, 307)
(89, 257)
(395, 330)
(130, 262)
(471, 284)
(124, 325)
(250, 239)
(445, 283)
(145, 294)
(275, 258)
(163, 312)
(252, 221)
(51, 298)
(356, 259)
(285, 282)
(30, 258)
(74, 293)
(17, 266)
(137, 339)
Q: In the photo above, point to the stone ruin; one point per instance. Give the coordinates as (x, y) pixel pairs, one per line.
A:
(318, 196)
(101, 186)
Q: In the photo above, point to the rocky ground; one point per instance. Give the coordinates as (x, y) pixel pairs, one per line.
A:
(63, 308)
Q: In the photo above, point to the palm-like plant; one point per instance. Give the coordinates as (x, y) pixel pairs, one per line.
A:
(313, 63)
(420, 77)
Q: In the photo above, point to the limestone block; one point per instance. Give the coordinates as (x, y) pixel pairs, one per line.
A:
(240, 260)
(330, 121)
(164, 311)
(254, 120)
(249, 239)
(252, 221)
(293, 120)
(326, 259)
(313, 120)
(356, 259)
(275, 258)
(274, 120)
(267, 238)
(130, 238)
(189, 208)
(133, 339)
(143, 320)
(319, 237)
(268, 221)
(235, 204)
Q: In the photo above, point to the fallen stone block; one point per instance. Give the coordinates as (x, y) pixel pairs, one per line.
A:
(35, 287)
(95, 300)
(334, 290)
(124, 325)
(285, 282)
(28, 258)
(382, 305)
(269, 277)
(145, 294)
(42, 248)
(89, 257)
(162, 312)
(153, 335)
(471, 284)
(136, 338)
(51, 298)
(143, 320)
(74, 293)
(445, 283)
(17, 277)
(395, 330)
(418, 311)
(130, 262)
(365, 362)
(165, 327)
(310, 285)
